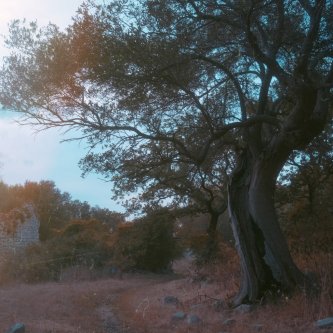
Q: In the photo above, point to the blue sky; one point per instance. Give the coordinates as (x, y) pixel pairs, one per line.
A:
(27, 155)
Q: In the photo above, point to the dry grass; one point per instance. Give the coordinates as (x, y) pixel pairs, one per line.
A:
(206, 293)
(78, 306)
(136, 302)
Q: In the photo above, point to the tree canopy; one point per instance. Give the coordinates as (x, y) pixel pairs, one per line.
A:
(53, 208)
(184, 84)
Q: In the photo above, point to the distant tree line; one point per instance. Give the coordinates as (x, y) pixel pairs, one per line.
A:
(54, 209)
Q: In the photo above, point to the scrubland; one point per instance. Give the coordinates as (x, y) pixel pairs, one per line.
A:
(83, 301)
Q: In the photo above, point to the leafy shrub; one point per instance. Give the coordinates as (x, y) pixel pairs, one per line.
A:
(53, 208)
(147, 244)
(85, 242)
(81, 243)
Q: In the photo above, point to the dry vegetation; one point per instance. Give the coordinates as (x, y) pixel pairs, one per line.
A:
(90, 301)
(135, 303)
(207, 293)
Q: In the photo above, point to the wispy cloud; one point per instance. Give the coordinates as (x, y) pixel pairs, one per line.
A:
(28, 156)
(58, 12)
(23, 154)
(45, 11)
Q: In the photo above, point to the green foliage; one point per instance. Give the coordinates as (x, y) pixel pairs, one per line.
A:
(51, 205)
(8, 198)
(184, 86)
(53, 208)
(88, 240)
(147, 244)
(194, 236)
(81, 243)
(306, 177)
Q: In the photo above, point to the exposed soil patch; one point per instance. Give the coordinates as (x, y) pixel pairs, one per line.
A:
(136, 304)
(80, 306)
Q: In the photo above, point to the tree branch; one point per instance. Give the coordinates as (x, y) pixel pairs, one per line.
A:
(233, 79)
(249, 122)
(269, 61)
(306, 6)
(315, 17)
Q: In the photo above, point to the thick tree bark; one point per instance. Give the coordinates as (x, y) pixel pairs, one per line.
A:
(212, 242)
(266, 263)
(214, 217)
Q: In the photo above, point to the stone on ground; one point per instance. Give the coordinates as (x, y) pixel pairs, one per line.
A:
(193, 319)
(171, 300)
(179, 315)
(324, 323)
(17, 328)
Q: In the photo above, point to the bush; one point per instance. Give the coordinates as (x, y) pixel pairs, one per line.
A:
(81, 243)
(147, 244)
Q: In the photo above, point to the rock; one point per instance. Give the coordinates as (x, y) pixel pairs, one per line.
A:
(324, 323)
(171, 300)
(17, 328)
(258, 327)
(229, 321)
(179, 315)
(219, 305)
(193, 319)
(197, 306)
(244, 308)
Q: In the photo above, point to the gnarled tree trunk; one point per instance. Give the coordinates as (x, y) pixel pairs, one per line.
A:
(212, 239)
(266, 263)
(211, 247)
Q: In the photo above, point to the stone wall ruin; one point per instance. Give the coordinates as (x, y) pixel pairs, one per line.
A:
(19, 228)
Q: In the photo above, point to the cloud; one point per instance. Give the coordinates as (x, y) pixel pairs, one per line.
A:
(25, 155)
(59, 12)
(45, 11)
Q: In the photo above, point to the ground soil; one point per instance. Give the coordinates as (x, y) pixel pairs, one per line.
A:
(134, 303)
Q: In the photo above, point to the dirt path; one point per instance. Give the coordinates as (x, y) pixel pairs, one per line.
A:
(135, 304)
(85, 306)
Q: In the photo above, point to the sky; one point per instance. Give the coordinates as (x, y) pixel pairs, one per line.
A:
(29, 156)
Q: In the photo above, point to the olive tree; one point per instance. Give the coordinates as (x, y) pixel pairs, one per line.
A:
(159, 176)
(253, 78)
